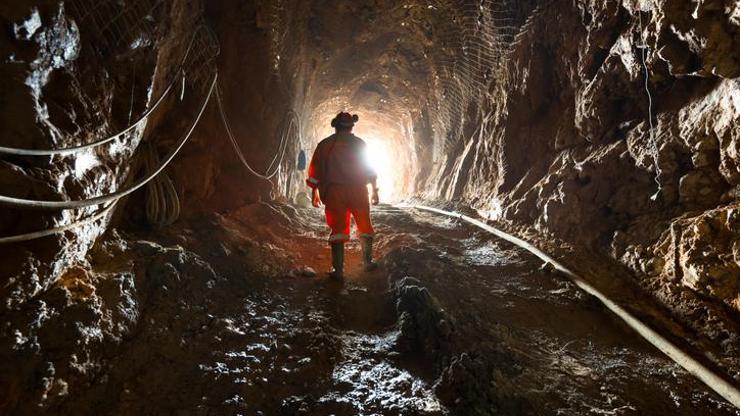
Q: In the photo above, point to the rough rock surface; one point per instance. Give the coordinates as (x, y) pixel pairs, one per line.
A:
(613, 126)
(73, 77)
(661, 199)
(69, 83)
(424, 326)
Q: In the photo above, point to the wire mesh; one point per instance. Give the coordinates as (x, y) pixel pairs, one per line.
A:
(201, 60)
(475, 38)
(116, 23)
(470, 45)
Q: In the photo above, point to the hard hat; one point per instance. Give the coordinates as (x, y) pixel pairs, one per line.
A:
(344, 120)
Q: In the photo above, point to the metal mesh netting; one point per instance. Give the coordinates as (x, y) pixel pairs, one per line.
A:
(115, 23)
(119, 24)
(475, 39)
(470, 44)
(201, 62)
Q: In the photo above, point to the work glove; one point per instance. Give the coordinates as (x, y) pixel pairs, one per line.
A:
(315, 199)
(375, 199)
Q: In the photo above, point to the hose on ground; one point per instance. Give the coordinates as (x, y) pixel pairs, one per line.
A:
(162, 204)
(40, 204)
(76, 149)
(717, 383)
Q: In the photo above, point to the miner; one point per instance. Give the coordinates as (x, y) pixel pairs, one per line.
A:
(338, 176)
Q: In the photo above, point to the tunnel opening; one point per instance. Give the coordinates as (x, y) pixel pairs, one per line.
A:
(161, 254)
(390, 151)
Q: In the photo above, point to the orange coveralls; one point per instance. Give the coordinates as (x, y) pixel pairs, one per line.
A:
(339, 170)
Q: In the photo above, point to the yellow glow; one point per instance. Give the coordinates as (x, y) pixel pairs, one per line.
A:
(382, 160)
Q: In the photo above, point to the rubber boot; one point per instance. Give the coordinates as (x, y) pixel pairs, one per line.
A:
(367, 253)
(337, 261)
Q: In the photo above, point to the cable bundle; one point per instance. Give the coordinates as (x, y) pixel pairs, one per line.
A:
(110, 198)
(162, 202)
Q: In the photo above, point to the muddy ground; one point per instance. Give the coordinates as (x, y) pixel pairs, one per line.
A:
(224, 315)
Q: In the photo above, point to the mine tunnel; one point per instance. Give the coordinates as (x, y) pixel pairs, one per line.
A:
(557, 229)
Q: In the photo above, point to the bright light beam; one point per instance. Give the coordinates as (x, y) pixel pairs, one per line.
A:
(380, 158)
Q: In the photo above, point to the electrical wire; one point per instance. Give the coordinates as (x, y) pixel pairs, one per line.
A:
(288, 126)
(40, 204)
(60, 229)
(277, 160)
(652, 138)
(139, 121)
(80, 148)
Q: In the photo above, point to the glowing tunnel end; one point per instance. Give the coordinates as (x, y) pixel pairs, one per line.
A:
(389, 151)
(388, 156)
(380, 158)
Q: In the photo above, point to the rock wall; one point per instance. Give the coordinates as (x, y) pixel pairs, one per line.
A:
(75, 72)
(610, 125)
(68, 81)
(573, 145)
(65, 84)
(79, 71)
(257, 103)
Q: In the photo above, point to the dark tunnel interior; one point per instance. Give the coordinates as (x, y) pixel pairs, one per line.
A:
(558, 230)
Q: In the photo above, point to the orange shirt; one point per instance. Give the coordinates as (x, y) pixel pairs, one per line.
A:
(340, 159)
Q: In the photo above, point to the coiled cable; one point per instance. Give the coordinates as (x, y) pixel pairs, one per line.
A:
(162, 204)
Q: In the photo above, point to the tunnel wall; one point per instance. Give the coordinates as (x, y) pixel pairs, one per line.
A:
(74, 72)
(565, 144)
(78, 71)
(538, 113)
(69, 80)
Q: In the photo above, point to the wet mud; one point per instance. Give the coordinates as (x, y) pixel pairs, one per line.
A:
(234, 314)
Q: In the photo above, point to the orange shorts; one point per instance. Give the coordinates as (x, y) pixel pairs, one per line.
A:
(342, 201)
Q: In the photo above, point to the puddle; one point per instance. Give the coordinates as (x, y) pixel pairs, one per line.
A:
(368, 380)
(488, 253)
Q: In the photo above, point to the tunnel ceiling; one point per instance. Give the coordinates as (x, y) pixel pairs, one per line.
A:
(397, 58)
(412, 69)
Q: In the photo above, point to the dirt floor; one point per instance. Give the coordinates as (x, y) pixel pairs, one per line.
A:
(235, 316)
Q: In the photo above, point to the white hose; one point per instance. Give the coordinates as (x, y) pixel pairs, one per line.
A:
(277, 160)
(56, 230)
(162, 204)
(141, 119)
(715, 382)
(77, 149)
(29, 203)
